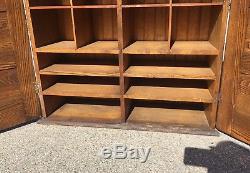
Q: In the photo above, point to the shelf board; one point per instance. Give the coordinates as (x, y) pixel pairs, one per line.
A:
(87, 113)
(145, 5)
(94, 6)
(49, 7)
(169, 94)
(59, 47)
(81, 70)
(178, 117)
(170, 72)
(193, 48)
(106, 47)
(84, 90)
(148, 47)
(197, 4)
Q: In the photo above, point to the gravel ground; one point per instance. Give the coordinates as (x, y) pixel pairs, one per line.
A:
(40, 148)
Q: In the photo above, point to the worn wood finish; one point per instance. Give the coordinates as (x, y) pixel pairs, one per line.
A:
(233, 113)
(18, 100)
(167, 117)
(179, 42)
(87, 113)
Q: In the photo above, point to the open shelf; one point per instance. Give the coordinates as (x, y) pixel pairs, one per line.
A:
(59, 47)
(193, 48)
(145, 30)
(166, 117)
(83, 90)
(193, 3)
(96, 30)
(140, 2)
(94, 2)
(87, 113)
(58, 3)
(106, 47)
(147, 47)
(170, 72)
(81, 70)
(57, 34)
(169, 94)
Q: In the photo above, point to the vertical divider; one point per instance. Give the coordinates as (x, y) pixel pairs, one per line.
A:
(35, 57)
(123, 62)
(170, 23)
(73, 23)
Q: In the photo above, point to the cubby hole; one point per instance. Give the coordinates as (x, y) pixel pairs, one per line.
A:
(197, 2)
(94, 2)
(134, 2)
(86, 87)
(53, 30)
(196, 30)
(96, 30)
(79, 65)
(145, 30)
(167, 114)
(170, 66)
(82, 110)
(34, 3)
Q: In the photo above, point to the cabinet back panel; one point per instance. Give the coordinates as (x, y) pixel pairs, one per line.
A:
(193, 23)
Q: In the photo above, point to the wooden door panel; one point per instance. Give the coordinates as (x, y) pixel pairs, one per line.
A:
(234, 109)
(18, 100)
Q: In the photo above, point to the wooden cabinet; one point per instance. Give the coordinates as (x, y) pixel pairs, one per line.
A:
(146, 63)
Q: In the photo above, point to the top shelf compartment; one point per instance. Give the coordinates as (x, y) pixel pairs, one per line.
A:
(193, 3)
(36, 3)
(94, 2)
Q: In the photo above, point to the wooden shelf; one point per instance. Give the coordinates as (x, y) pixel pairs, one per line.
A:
(178, 117)
(49, 7)
(197, 4)
(105, 47)
(148, 47)
(145, 5)
(108, 47)
(83, 90)
(193, 48)
(170, 72)
(94, 6)
(169, 94)
(87, 113)
(82, 70)
(59, 47)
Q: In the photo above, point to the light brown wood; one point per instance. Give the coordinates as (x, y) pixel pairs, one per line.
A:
(110, 47)
(60, 47)
(169, 94)
(170, 72)
(87, 113)
(83, 90)
(81, 70)
(193, 48)
(147, 47)
(179, 117)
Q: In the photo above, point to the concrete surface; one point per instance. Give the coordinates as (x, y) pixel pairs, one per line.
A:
(40, 148)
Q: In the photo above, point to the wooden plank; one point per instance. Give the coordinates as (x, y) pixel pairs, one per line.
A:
(193, 48)
(166, 117)
(198, 4)
(109, 47)
(59, 47)
(87, 113)
(145, 5)
(81, 70)
(95, 6)
(170, 72)
(147, 47)
(169, 94)
(84, 90)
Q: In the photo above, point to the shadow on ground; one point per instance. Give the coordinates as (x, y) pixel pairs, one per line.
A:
(225, 157)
